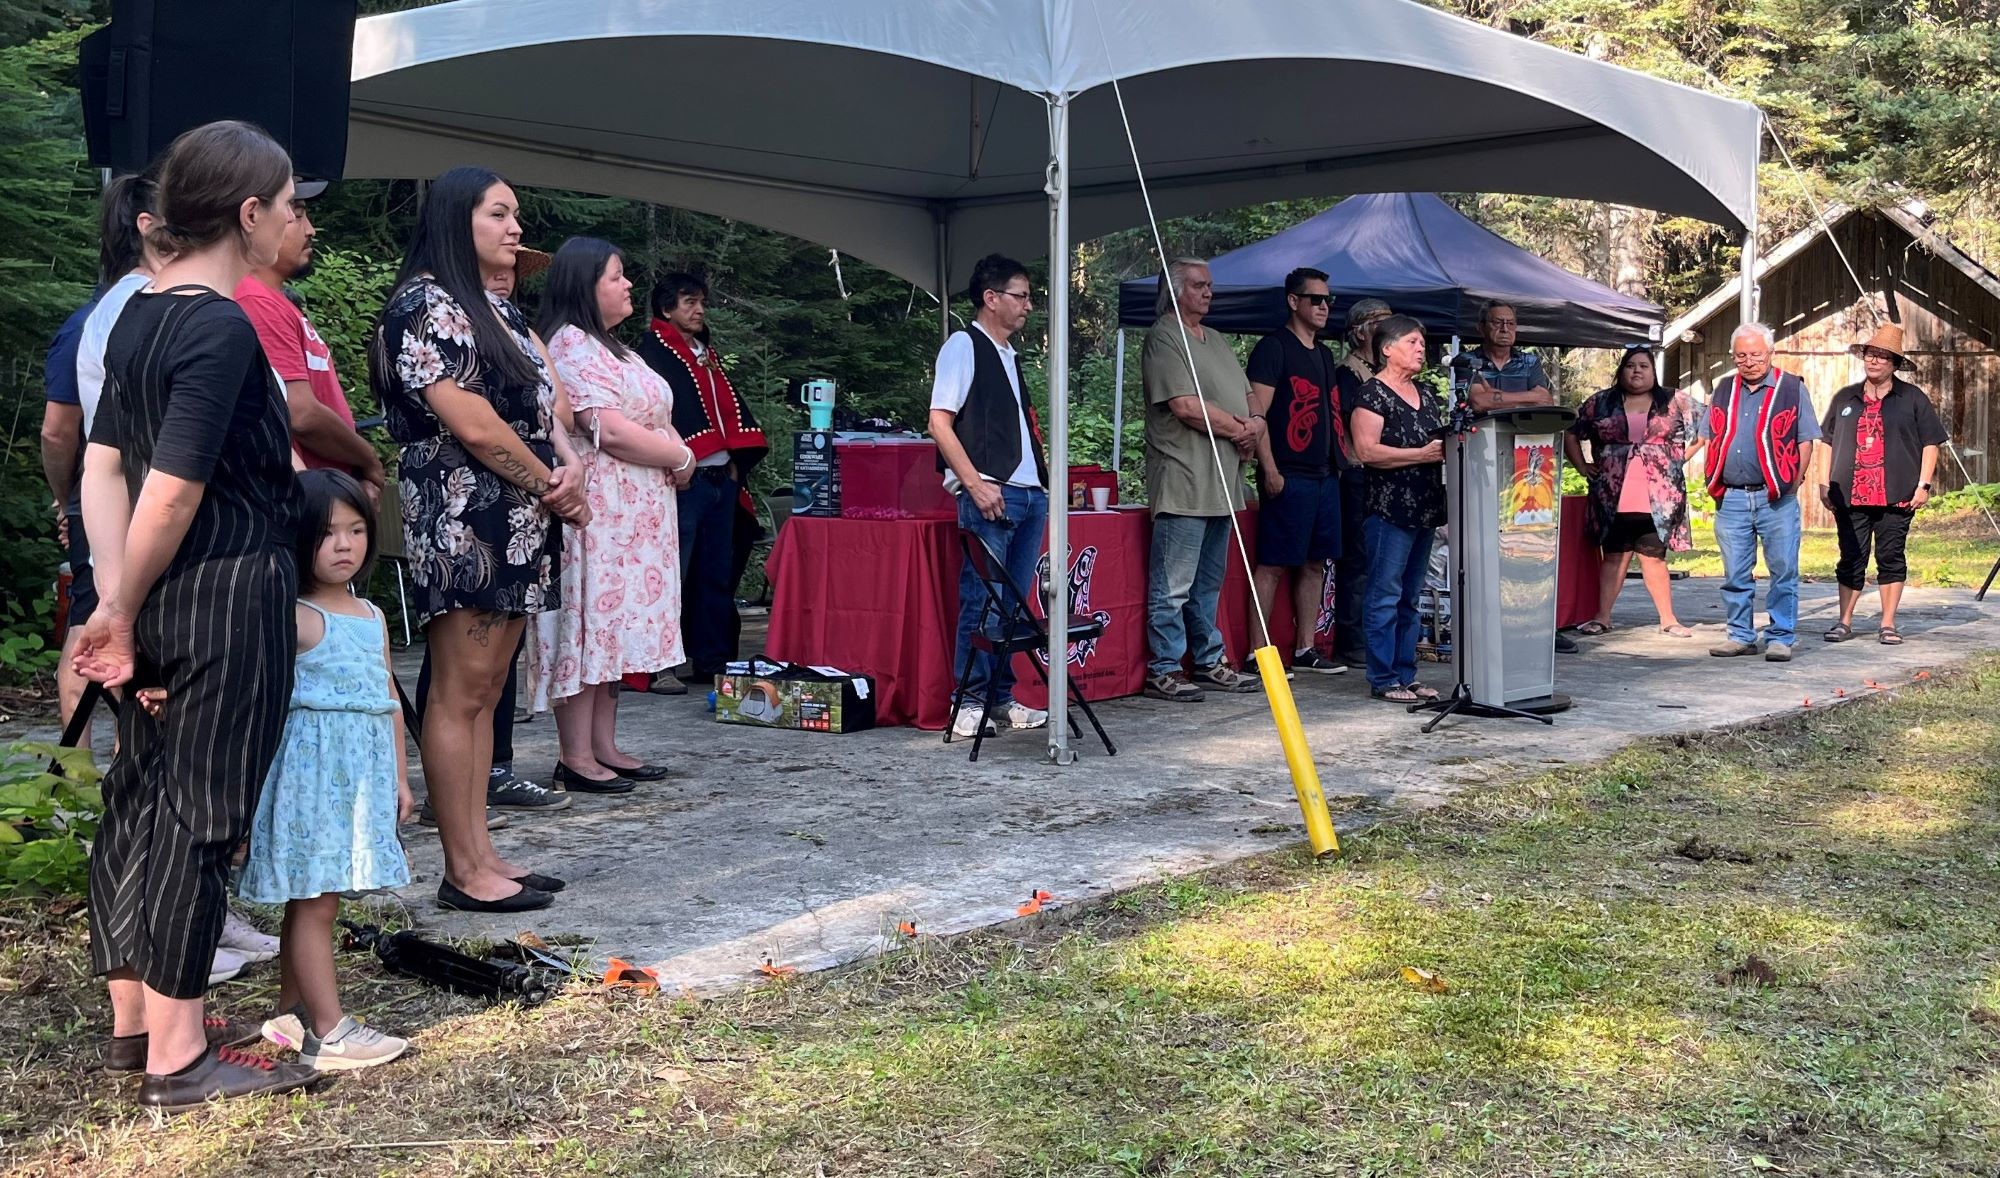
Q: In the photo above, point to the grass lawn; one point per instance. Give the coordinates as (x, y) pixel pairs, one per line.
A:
(1950, 552)
(1775, 950)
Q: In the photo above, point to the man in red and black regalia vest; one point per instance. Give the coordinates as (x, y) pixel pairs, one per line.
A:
(1760, 432)
(716, 511)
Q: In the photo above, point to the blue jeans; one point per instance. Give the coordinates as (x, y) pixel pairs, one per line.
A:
(1398, 559)
(1742, 519)
(1183, 590)
(1016, 539)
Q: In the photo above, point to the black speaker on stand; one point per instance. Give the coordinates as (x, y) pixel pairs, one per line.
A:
(162, 67)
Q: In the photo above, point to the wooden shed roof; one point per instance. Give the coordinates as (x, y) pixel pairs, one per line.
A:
(1908, 216)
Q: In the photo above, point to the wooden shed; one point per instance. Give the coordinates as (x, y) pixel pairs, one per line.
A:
(1947, 303)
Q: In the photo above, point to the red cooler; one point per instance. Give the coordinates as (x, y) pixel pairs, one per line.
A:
(893, 478)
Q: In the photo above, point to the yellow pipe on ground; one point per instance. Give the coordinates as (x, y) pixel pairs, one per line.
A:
(1292, 734)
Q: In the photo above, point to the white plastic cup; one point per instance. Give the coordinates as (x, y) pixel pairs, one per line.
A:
(1100, 498)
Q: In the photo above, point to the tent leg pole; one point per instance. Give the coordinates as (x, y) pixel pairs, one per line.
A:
(943, 278)
(1747, 307)
(1058, 602)
(1118, 405)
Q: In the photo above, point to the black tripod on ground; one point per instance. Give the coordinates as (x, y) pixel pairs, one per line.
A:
(1460, 701)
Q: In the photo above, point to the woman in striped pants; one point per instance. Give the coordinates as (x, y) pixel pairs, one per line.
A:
(191, 505)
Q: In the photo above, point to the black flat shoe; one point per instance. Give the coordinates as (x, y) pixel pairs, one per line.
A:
(540, 882)
(526, 900)
(644, 772)
(576, 783)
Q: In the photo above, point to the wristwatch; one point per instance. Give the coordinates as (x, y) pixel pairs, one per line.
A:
(1923, 486)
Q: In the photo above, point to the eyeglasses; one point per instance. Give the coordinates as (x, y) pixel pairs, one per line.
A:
(1497, 324)
(1317, 300)
(1878, 354)
(1027, 297)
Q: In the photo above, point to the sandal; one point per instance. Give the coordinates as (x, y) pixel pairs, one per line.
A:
(1396, 695)
(1841, 632)
(1890, 636)
(1677, 631)
(1593, 628)
(1427, 694)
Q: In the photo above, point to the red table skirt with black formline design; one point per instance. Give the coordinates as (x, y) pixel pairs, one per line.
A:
(880, 597)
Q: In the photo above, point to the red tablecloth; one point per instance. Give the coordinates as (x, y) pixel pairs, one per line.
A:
(1577, 562)
(880, 597)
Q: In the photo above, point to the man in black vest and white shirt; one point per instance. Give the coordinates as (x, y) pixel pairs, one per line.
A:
(991, 449)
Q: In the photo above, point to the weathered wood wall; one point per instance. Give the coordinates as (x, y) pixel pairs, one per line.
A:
(1951, 330)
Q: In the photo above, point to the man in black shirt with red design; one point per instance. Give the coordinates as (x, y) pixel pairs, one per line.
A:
(1298, 514)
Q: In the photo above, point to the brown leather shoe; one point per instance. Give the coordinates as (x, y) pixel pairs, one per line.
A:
(221, 1074)
(127, 1053)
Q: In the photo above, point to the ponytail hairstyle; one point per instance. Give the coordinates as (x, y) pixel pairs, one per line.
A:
(204, 178)
(441, 246)
(120, 248)
(319, 490)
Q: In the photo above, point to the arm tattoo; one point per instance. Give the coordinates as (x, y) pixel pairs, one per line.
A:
(517, 471)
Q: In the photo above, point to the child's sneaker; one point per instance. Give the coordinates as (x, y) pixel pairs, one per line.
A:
(287, 1030)
(350, 1045)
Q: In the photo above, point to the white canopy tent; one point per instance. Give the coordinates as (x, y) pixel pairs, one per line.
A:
(923, 136)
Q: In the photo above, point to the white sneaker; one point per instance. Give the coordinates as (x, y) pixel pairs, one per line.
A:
(249, 944)
(227, 964)
(287, 1030)
(351, 1045)
(970, 719)
(1020, 715)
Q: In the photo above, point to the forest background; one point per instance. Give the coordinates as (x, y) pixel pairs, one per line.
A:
(1876, 100)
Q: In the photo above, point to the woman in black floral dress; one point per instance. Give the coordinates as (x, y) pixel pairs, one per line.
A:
(484, 477)
(1393, 427)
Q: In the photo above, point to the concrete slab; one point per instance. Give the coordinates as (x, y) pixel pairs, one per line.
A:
(808, 849)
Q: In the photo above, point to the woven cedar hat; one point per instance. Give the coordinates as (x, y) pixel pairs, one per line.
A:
(530, 262)
(1887, 338)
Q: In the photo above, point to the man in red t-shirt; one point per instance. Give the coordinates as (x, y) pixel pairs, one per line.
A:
(322, 424)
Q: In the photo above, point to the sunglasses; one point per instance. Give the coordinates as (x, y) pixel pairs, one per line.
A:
(1317, 300)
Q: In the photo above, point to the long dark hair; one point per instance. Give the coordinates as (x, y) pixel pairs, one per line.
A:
(569, 296)
(441, 246)
(120, 248)
(1661, 393)
(319, 490)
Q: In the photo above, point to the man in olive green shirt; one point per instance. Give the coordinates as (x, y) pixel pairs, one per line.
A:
(1194, 485)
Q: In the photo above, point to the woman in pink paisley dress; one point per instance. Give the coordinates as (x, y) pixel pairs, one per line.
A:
(621, 591)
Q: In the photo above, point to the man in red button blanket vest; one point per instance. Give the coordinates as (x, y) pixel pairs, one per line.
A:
(718, 519)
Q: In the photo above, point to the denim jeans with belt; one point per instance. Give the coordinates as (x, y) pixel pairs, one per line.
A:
(1742, 519)
(1016, 540)
(1183, 590)
(1398, 560)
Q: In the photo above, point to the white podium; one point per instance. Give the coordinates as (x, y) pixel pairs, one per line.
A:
(1503, 488)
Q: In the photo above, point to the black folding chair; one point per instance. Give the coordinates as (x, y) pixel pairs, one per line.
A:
(1018, 631)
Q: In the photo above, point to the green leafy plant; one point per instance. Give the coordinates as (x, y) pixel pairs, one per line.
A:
(46, 819)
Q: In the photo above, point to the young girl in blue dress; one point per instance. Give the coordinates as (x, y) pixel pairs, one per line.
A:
(326, 821)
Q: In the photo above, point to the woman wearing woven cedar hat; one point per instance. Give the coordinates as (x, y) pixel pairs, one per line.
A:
(1885, 437)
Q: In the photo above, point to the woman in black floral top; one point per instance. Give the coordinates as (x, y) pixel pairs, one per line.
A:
(1393, 425)
(482, 472)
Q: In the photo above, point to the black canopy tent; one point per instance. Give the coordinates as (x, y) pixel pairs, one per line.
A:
(1426, 259)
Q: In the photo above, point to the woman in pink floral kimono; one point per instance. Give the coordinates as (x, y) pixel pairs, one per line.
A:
(1638, 432)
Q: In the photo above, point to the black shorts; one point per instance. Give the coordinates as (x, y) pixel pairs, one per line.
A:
(82, 582)
(1633, 531)
(1301, 524)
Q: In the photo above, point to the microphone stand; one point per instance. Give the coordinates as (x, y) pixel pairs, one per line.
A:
(1460, 701)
